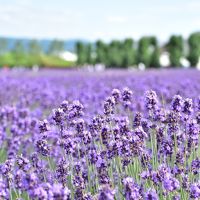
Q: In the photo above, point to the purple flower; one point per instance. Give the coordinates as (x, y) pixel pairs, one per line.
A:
(177, 103)
(151, 195)
(195, 190)
(44, 126)
(198, 117)
(62, 171)
(23, 163)
(140, 134)
(29, 181)
(57, 191)
(170, 184)
(127, 95)
(58, 116)
(42, 147)
(187, 106)
(109, 105)
(39, 193)
(106, 193)
(151, 100)
(7, 167)
(75, 110)
(4, 190)
(137, 119)
(195, 166)
(117, 95)
(131, 190)
(64, 106)
(145, 174)
(198, 103)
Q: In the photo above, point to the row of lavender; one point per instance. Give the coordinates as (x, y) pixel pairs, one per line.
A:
(100, 143)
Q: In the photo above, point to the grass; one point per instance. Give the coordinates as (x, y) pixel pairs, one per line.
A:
(11, 59)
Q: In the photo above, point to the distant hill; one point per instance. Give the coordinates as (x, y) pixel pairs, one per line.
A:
(44, 43)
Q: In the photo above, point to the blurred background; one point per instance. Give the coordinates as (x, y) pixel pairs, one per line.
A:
(99, 34)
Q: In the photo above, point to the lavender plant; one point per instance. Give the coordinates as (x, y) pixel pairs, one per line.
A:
(115, 142)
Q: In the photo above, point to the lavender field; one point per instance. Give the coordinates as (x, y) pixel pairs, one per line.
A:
(113, 135)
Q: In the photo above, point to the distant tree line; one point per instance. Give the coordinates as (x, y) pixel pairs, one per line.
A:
(31, 53)
(117, 53)
(125, 53)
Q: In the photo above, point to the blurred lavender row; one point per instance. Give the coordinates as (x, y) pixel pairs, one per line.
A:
(107, 135)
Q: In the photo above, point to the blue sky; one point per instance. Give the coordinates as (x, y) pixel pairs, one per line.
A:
(98, 19)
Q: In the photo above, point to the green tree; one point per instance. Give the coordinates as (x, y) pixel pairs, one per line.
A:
(176, 50)
(81, 52)
(144, 51)
(19, 53)
(3, 45)
(55, 47)
(101, 50)
(88, 50)
(155, 55)
(34, 51)
(194, 48)
(19, 47)
(115, 54)
(34, 47)
(174, 57)
(155, 58)
(129, 54)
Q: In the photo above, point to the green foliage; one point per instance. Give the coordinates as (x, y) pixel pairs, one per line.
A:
(89, 59)
(115, 54)
(129, 53)
(194, 48)
(54, 61)
(3, 46)
(119, 54)
(176, 50)
(154, 62)
(174, 57)
(81, 51)
(101, 52)
(32, 55)
(155, 55)
(12, 59)
(34, 47)
(144, 51)
(7, 59)
(55, 47)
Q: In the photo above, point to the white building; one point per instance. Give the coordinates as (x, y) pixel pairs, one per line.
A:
(68, 56)
(184, 62)
(198, 64)
(165, 61)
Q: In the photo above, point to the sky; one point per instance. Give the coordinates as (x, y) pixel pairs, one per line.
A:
(98, 19)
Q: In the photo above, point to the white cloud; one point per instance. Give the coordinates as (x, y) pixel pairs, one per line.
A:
(23, 19)
(64, 19)
(193, 5)
(116, 19)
